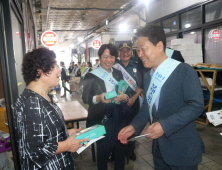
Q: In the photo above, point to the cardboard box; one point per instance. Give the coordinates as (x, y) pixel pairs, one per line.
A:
(191, 52)
(72, 78)
(72, 85)
(182, 41)
(5, 142)
(193, 59)
(3, 126)
(91, 132)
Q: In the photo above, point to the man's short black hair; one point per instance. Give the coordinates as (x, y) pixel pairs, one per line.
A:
(79, 62)
(90, 64)
(97, 59)
(112, 48)
(62, 63)
(155, 34)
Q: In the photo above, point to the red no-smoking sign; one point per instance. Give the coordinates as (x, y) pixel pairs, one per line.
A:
(215, 34)
(49, 39)
(96, 44)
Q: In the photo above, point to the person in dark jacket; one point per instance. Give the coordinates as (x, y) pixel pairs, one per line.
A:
(71, 67)
(64, 79)
(94, 94)
(41, 135)
(173, 99)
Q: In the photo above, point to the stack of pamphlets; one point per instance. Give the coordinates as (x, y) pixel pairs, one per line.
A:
(215, 117)
(94, 133)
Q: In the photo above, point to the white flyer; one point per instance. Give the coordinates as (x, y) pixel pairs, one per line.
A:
(215, 117)
(86, 145)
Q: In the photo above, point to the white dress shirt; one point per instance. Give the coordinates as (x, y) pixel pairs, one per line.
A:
(108, 87)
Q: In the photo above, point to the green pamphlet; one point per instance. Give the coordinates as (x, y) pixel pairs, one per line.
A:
(91, 132)
(110, 95)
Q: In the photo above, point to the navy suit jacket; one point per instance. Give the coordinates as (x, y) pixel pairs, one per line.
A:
(180, 103)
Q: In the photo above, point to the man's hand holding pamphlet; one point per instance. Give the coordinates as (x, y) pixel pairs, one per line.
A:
(215, 117)
(94, 133)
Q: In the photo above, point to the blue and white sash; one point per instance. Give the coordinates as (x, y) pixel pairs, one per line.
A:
(105, 76)
(72, 74)
(169, 52)
(159, 77)
(127, 77)
(64, 69)
(76, 70)
(85, 72)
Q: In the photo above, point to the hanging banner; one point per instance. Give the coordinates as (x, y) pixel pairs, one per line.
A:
(96, 44)
(49, 39)
(215, 34)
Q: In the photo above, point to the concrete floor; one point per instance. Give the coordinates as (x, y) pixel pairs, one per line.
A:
(212, 158)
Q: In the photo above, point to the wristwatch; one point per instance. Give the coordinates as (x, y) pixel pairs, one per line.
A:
(127, 98)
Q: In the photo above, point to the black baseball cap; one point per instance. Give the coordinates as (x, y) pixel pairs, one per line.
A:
(126, 44)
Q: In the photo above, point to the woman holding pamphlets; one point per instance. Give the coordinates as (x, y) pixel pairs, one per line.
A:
(40, 129)
(100, 92)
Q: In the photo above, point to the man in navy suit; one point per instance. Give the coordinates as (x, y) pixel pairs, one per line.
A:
(176, 142)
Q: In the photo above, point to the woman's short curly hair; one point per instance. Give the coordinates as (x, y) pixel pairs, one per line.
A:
(38, 59)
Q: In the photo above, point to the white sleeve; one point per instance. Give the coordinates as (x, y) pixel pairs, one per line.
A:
(94, 100)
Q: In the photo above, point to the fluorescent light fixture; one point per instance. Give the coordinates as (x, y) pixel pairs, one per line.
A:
(122, 27)
(192, 33)
(146, 2)
(80, 39)
(134, 31)
(187, 25)
(107, 22)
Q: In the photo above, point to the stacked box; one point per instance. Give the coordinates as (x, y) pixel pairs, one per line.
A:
(182, 41)
(191, 52)
(72, 85)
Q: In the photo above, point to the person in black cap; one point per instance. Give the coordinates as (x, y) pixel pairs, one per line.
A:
(128, 65)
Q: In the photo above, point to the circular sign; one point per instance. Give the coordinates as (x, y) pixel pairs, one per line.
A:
(82, 50)
(96, 44)
(49, 39)
(215, 34)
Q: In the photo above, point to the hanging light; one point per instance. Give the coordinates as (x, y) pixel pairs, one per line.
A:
(122, 27)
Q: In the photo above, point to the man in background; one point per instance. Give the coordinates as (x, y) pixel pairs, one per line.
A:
(96, 65)
(64, 79)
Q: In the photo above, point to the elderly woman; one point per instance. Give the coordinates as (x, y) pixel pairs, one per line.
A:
(41, 133)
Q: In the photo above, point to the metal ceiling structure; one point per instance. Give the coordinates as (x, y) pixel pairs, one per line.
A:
(72, 19)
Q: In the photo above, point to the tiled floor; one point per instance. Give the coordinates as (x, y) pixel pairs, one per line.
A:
(212, 158)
